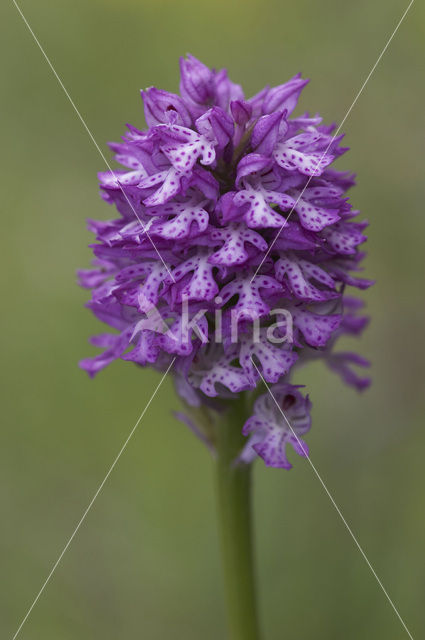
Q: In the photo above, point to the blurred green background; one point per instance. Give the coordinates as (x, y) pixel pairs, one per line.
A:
(145, 563)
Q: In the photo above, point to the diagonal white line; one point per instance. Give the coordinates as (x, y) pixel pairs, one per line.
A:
(144, 227)
(334, 504)
(53, 569)
(335, 135)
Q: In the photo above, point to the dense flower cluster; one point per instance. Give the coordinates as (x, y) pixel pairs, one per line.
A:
(203, 203)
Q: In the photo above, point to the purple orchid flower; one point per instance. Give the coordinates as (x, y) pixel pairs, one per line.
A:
(229, 206)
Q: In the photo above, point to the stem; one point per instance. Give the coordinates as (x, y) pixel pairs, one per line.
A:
(234, 514)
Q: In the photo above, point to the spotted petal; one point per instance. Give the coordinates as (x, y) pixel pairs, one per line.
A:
(298, 274)
(183, 147)
(258, 215)
(201, 285)
(317, 329)
(233, 251)
(273, 360)
(170, 181)
(312, 217)
(184, 219)
(280, 418)
(250, 304)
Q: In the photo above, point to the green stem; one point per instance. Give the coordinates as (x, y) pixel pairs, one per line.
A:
(234, 514)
